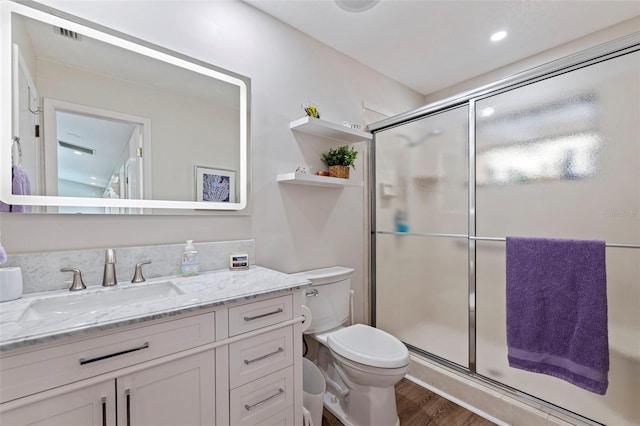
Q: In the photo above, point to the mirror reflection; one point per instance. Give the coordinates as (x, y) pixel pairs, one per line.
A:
(96, 122)
(97, 158)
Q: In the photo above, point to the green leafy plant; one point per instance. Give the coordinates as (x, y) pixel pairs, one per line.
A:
(342, 156)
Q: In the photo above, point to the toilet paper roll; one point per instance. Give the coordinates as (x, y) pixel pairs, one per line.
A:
(10, 283)
(306, 313)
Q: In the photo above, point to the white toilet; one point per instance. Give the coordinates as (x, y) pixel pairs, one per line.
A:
(360, 363)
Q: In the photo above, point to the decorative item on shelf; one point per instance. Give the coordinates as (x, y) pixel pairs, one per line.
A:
(339, 160)
(311, 110)
(301, 170)
(341, 172)
(322, 173)
(351, 125)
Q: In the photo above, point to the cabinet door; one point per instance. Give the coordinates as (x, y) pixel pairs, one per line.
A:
(92, 405)
(180, 392)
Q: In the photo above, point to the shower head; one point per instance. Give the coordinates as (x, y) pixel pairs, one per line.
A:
(411, 143)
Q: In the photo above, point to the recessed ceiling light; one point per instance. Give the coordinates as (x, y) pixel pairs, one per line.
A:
(93, 178)
(498, 36)
(356, 5)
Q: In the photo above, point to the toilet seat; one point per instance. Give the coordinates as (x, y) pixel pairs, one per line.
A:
(369, 346)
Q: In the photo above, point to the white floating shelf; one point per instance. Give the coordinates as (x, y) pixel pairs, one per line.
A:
(313, 180)
(326, 129)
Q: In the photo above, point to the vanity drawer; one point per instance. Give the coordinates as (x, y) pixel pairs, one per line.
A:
(253, 316)
(252, 403)
(27, 373)
(258, 356)
(283, 418)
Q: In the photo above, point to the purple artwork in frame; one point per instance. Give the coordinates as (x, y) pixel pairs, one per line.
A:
(215, 185)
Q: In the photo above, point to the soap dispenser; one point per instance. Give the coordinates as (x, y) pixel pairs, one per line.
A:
(190, 264)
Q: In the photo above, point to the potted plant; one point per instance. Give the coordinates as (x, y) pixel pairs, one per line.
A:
(339, 160)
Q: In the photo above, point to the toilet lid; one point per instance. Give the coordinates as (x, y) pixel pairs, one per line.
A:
(369, 346)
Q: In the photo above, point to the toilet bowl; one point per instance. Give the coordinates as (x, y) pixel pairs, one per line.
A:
(361, 364)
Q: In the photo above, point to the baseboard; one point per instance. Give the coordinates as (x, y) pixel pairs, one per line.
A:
(489, 402)
(457, 401)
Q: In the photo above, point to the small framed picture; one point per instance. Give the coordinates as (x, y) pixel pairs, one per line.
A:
(238, 261)
(215, 185)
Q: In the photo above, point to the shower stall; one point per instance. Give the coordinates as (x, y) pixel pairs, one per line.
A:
(551, 152)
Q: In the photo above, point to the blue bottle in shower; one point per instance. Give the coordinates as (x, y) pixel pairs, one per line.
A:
(400, 220)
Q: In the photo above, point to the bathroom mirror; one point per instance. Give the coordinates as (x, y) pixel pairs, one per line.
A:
(100, 122)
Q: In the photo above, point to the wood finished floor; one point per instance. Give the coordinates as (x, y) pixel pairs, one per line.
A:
(418, 406)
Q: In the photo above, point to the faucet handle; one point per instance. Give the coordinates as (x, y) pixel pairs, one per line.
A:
(137, 276)
(77, 284)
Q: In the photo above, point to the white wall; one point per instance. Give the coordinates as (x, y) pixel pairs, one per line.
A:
(69, 188)
(295, 228)
(599, 37)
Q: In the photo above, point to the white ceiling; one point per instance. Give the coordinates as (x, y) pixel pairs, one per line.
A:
(430, 45)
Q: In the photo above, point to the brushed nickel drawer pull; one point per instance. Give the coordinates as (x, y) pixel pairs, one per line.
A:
(127, 395)
(251, 407)
(104, 411)
(280, 310)
(251, 361)
(312, 293)
(126, 351)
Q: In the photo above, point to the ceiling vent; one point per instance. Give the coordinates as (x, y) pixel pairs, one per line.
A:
(72, 35)
(78, 148)
(356, 6)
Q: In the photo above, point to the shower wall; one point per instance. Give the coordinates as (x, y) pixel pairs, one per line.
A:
(557, 157)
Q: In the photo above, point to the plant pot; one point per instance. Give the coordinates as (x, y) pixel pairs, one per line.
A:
(339, 172)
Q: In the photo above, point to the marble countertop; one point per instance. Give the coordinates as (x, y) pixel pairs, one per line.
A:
(209, 289)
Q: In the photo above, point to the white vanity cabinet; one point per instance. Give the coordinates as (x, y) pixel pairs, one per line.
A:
(235, 364)
(264, 370)
(179, 392)
(93, 405)
(148, 372)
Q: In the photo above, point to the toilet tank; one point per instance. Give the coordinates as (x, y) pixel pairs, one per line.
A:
(328, 297)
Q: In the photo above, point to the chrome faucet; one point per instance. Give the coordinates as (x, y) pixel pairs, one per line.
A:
(137, 276)
(109, 278)
(78, 284)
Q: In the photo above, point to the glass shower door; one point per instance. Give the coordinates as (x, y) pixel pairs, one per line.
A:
(560, 158)
(421, 234)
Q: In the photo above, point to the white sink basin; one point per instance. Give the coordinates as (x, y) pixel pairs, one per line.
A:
(98, 301)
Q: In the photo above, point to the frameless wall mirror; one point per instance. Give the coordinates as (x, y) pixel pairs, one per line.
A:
(99, 122)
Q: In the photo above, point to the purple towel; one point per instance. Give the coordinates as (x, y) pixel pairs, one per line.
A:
(3, 254)
(20, 185)
(557, 310)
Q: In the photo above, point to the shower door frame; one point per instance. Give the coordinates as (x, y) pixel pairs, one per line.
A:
(615, 48)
